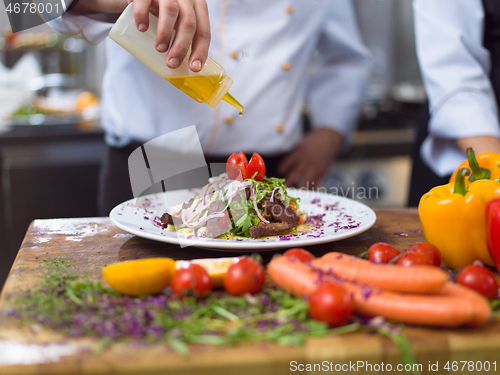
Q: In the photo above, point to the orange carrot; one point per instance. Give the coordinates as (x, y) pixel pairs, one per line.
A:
(422, 309)
(418, 279)
(293, 276)
(481, 307)
(446, 308)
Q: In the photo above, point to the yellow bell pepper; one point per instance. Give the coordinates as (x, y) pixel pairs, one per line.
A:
(485, 167)
(453, 219)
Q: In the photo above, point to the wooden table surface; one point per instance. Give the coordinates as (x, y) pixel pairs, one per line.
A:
(91, 243)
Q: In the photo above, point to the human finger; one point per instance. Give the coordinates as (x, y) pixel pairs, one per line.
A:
(295, 175)
(186, 28)
(306, 179)
(168, 13)
(288, 161)
(311, 178)
(141, 14)
(201, 40)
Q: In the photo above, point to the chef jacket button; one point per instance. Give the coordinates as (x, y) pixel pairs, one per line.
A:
(286, 66)
(289, 9)
(228, 120)
(234, 55)
(280, 128)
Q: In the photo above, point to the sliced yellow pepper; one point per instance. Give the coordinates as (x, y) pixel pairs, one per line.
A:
(453, 219)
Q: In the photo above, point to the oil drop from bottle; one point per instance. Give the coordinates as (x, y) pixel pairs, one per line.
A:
(228, 98)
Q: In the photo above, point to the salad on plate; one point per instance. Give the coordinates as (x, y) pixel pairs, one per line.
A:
(240, 202)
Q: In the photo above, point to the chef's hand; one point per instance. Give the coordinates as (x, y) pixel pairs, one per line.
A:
(308, 162)
(190, 19)
(479, 144)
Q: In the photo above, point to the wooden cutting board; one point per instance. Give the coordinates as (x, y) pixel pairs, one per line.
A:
(91, 243)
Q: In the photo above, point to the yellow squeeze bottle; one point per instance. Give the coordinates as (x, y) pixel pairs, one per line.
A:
(210, 85)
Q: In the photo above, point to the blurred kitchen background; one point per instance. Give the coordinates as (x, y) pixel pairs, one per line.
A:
(51, 142)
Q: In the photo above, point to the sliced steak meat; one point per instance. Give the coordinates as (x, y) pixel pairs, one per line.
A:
(217, 225)
(280, 213)
(166, 219)
(188, 204)
(270, 229)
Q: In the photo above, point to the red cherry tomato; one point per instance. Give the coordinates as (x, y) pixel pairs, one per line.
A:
(413, 259)
(480, 279)
(236, 164)
(256, 165)
(332, 304)
(428, 249)
(301, 255)
(191, 279)
(245, 276)
(382, 252)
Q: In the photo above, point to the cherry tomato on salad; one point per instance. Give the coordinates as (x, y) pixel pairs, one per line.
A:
(256, 165)
(332, 304)
(382, 252)
(236, 164)
(245, 276)
(414, 259)
(192, 278)
(428, 249)
(301, 255)
(480, 279)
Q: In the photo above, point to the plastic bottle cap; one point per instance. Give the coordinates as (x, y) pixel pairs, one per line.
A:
(217, 95)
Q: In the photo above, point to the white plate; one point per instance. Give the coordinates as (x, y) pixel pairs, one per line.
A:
(342, 218)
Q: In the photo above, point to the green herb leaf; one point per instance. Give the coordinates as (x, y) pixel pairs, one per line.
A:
(226, 314)
(78, 307)
(398, 338)
(495, 304)
(179, 346)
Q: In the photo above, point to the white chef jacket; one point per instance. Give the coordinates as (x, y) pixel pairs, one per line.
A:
(455, 70)
(280, 36)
